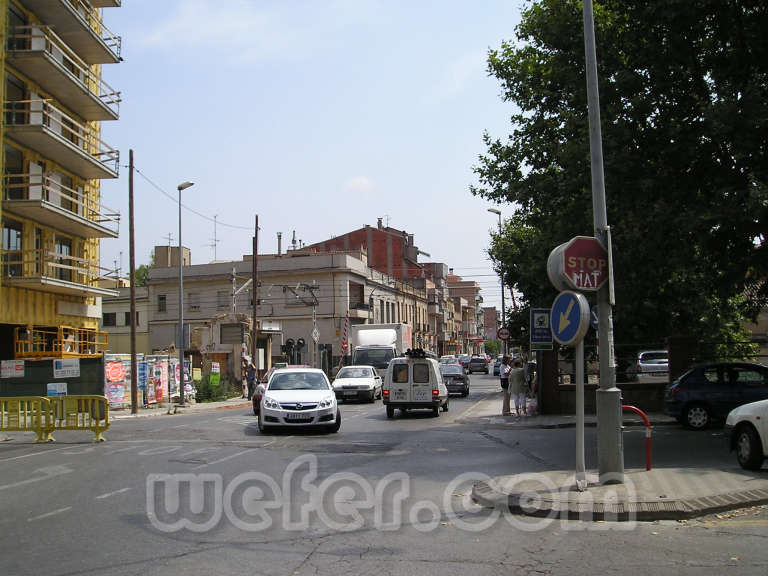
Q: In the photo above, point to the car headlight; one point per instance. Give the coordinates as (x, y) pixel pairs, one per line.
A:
(326, 402)
(271, 403)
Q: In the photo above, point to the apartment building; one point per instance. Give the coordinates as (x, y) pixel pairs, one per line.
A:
(467, 294)
(54, 100)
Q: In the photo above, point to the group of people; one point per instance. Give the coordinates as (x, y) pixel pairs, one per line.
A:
(516, 384)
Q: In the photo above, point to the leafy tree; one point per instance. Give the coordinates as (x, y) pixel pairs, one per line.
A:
(684, 108)
(492, 347)
(142, 272)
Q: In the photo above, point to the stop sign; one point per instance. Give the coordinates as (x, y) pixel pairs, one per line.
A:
(579, 264)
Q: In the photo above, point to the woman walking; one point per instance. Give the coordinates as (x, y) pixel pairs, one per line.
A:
(517, 386)
(504, 376)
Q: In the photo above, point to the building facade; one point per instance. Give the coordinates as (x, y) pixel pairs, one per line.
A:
(54, 100)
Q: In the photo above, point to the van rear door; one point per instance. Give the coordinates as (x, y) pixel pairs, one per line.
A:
(421, 389)
(400, 387)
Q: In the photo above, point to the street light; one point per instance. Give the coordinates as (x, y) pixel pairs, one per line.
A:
(503, 312)
(180, 187)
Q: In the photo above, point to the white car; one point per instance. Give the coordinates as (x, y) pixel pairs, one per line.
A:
(747, 429)
(357, 383)
(299, 398)
(413, 382)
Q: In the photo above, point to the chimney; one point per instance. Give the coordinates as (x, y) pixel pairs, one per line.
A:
(380, 226)
(450, 271)
(279, 243)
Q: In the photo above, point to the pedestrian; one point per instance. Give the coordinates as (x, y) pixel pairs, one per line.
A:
(250, 376)
(504, 378)
(517, 386)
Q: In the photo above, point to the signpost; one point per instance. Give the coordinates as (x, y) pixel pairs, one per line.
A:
(541, 329)
(579, 264)
(570, 322)
(503, 333)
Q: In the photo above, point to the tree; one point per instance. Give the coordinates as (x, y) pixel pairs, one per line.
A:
(684, 107)
(142, 272)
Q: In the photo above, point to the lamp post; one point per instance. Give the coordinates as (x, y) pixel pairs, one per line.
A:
(503, 311)
(180, 187)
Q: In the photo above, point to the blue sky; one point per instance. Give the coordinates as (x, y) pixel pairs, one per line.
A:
(319, 116)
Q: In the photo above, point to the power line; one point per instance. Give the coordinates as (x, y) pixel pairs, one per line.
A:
(204, 216)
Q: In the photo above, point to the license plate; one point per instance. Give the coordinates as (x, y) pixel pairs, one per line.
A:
(350, 392)
(297, 416)
(422, 395)
(398, 394)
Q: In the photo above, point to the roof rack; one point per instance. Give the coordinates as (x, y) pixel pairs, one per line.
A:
(416, 353)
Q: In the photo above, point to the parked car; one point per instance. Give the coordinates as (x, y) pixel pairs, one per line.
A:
(708, 392)
(357, 383)
(652, 366)
(449, 359)
(455, 379)
(464, 360)
(299, 398)
(477, 364)
(747, 428)
(413, 382)
(258, 393)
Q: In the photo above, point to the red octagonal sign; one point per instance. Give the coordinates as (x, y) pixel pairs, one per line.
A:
(579, 264)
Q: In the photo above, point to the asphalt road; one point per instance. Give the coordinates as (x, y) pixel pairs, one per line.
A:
(208, 494)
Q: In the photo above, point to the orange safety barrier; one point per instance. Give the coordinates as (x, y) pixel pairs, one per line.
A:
(79, 412)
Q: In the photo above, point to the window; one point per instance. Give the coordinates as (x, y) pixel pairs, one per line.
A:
(222, 299)
(747, 377)
(128, 318)
(231, 334)
(421, 373)
(161, 303)
(400, 373)
(109, 319)
(12, 243)
(64, 263)
(193, 302)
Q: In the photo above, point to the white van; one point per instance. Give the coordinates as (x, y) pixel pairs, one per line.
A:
(413, 381)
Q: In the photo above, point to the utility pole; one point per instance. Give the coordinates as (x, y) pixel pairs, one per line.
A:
(132, 264)
(610, 448)
(255, 289)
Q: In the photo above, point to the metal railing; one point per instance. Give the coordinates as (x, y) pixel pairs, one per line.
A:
(45, 414)
(47, 188)
(60, 342)
(90, 17)
(43, 113)
(53, 265)
(37, 38)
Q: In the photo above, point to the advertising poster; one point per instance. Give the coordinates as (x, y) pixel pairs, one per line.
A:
(66, 368)
(115, 392)
(161, 380)
(12, 369)
(56, 389)
(215, 377)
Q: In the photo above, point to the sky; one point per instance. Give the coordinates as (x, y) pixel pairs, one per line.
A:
(319, 116)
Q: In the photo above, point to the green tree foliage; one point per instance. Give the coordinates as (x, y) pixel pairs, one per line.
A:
(684, 109)
(142, 272)
(493, 347)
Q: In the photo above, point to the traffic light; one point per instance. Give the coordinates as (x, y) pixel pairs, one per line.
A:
(300, 343)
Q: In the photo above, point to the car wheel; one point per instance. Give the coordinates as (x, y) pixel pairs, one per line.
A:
(373, 396)
(436, 411)
(390, 412)
(749, 449)
(697, 417)
(333, 428)
(466, 392)
(445, 406)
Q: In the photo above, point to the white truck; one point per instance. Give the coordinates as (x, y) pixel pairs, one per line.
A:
(376, 344)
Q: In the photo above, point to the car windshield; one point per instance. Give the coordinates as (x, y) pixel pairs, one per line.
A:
(451, 369)
(378, 357)
(351, 372)
(298, 381)
(654, 357)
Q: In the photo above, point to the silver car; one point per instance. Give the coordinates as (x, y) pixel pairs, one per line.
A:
(652, 366)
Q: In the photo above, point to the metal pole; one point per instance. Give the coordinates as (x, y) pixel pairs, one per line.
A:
(609, 442)
(503, 308)
(581, 475)
(181, 314)
(255, 291)
(132, 264)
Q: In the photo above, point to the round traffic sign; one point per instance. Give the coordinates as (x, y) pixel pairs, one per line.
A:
(503, 333)
(570, 317)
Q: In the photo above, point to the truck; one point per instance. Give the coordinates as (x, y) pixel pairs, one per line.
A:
(376, 344)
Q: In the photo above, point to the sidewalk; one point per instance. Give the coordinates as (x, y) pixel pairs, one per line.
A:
(166, 409)
(658, 494)
(488, 412)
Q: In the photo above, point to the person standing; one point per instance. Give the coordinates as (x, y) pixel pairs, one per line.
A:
(250, 376)
(504, 378)
(517, 386)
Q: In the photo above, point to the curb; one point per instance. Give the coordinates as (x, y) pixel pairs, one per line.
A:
(174, 409)
(558, 425)
(534, 505)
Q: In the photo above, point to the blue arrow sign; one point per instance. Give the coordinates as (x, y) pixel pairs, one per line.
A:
(570, 317)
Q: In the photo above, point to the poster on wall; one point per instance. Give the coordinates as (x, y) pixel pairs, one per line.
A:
(11, 368)
(66, 368)
(56, 389)
(115, 392)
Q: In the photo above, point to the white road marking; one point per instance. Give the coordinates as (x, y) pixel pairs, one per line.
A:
(59, 511)
(108, 494)
(181, 426)
(230, 457)
(35, 454)
(48, 472)
(159, 450)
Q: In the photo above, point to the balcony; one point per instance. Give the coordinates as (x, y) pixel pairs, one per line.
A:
(105, 3)
(41, 55)
(61, 342)
(40, 126)
(78, 23)
(42, 198)
(54, 272)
